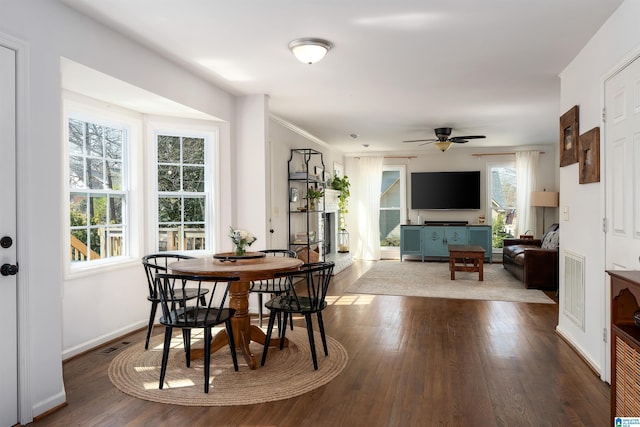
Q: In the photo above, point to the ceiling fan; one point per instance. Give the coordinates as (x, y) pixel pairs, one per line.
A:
(442, 140)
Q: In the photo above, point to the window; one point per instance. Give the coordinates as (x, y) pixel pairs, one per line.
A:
(98, 193)
(392, 205)
(182, 193)
(503, 194)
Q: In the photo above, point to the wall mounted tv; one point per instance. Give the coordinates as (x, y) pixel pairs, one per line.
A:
(445, 190)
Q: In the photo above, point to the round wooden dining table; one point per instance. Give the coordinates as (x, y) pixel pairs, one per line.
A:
(247, 270)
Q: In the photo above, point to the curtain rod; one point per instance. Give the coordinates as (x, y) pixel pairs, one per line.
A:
(392, 157)
(497, 154)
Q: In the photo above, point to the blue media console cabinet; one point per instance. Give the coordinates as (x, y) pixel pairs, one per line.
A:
(432, 241)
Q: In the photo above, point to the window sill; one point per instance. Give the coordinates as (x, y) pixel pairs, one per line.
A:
(79, 271)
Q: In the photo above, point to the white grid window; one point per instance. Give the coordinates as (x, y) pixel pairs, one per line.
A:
(182, 196)
(98, 193)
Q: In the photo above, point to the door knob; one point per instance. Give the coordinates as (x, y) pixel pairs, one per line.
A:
(8, 270)
(6, 242)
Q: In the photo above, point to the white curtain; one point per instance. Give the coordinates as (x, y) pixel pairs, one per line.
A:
(364, 207)
(526, 170)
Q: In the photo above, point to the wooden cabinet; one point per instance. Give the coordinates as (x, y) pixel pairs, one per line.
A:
(411, 240)
(433, 240)
(439, 238)
(480, 235)
(625, 344)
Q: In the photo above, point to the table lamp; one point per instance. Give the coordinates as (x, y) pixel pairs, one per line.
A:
(544, 199)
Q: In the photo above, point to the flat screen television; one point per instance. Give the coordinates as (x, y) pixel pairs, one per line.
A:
(445, 190)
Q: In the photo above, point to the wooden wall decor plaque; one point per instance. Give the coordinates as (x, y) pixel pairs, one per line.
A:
(589, 156)
(569, 131)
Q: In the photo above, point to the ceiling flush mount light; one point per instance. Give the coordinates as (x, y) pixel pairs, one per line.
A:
(310, 50)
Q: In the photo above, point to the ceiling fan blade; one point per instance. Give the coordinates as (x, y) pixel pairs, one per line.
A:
(421, 140)
(470, 137)
(425, 143)
(457, 140)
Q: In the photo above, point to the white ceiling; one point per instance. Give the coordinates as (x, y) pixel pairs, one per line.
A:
(398, 68)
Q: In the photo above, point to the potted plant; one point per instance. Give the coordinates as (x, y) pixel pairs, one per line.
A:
(342, 185)
(313, 194)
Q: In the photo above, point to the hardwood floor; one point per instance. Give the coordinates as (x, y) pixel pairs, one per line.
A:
(412, 362)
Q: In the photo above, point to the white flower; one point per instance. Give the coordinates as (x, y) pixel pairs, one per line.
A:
(241, 237)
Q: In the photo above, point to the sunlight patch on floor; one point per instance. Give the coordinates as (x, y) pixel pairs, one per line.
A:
(145, 368)
(350, 299)
(181, 383)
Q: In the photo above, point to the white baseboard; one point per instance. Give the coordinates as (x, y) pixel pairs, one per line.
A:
(54, 401)
(593, 365)
(98, 341)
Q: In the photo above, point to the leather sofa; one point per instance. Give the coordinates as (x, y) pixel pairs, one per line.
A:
(534, 261)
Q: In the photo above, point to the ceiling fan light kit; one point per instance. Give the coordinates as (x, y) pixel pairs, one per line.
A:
(443, 145)
(310, 50)
(442, 141)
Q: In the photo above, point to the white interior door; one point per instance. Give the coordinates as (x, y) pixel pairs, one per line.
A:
(8, 278)
(622, 174)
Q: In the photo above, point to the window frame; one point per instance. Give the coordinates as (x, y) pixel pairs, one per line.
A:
(185, 129)
(489, 186)
(76, 106)
(402, 169)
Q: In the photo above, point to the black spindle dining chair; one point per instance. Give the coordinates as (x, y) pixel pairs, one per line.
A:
(274, 287)
(153, 265)
(305, 297)
(179, 312)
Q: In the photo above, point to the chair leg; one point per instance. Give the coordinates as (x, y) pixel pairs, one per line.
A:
(279, 324)
(284, 329)
(324, 337)
(152, 318)
(207, 358)
(312, 343)
(267, 340)
(260, 309)
(232, 344)
(186, 340)
(168, 331)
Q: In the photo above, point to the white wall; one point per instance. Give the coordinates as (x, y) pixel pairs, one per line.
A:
(51, 30)
(582, 84)
(251, 165)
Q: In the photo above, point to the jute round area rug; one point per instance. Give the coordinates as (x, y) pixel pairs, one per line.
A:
(286, 373)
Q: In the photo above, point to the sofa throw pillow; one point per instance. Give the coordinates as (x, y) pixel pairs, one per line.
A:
(551, 240)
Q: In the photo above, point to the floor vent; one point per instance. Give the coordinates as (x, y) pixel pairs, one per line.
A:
(114, 347)
(574, 288)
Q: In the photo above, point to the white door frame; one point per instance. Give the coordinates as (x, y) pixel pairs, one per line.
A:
(25, 406)
(619, 67)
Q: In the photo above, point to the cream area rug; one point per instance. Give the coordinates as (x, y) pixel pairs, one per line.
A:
(433, 280)
(286, 373)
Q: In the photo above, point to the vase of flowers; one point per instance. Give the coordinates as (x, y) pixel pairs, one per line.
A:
(241, 240)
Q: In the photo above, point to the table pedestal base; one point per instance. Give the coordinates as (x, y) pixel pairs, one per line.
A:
(243, 331)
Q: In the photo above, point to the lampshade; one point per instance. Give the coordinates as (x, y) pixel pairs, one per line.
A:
(310, 50)
(547, 199)
(442, 145)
